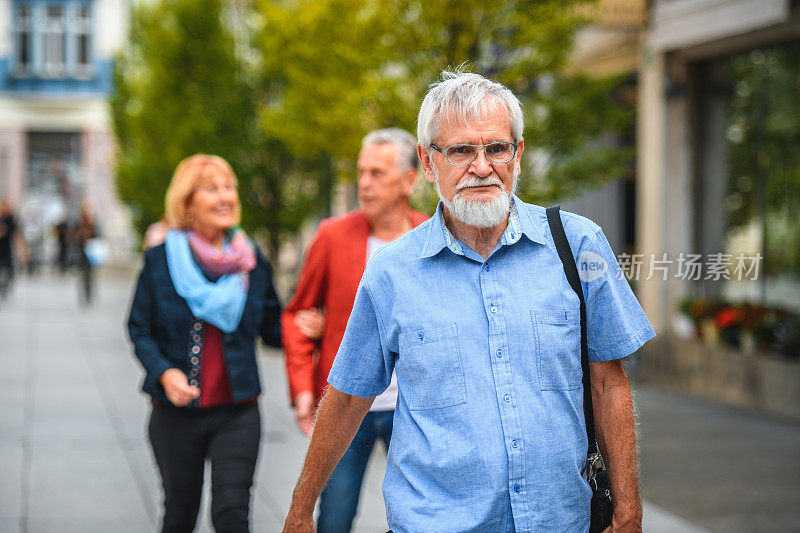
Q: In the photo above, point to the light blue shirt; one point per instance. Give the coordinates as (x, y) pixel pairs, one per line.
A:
(489, 432)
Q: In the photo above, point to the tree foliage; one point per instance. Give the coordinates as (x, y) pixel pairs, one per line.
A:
(287, 93)
(178, 92)
(337, 68)
(183, 87)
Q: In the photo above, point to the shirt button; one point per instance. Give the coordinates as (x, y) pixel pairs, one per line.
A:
(511, 235)
(487, 267)
(420, 335)
(195, 360)
(514, 443)
(197, 326)
(193, 372)
(493, 309)
(193, 383)
(196, 337)
(517, 488)
(195, 349)
(507, 398)
(499, 352)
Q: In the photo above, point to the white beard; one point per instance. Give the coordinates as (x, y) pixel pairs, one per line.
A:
(479, 213)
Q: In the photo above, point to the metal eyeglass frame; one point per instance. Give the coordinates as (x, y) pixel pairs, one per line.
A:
(479, 147)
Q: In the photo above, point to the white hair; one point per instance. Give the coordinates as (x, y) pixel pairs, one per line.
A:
(405, 143)
(462, 96)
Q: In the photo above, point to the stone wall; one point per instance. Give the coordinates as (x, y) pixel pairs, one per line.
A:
(763, 381)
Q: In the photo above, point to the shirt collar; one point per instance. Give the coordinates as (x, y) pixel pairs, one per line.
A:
(530, 225)
(519, 223)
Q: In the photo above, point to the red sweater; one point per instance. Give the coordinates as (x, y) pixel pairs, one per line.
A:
(329, 278)
(214, 386)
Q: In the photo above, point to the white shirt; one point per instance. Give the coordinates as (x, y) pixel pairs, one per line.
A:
(387, 400)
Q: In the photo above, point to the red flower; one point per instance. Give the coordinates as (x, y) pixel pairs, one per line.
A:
(728, 317)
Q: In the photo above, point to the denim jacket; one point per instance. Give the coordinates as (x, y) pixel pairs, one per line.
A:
(166, 335)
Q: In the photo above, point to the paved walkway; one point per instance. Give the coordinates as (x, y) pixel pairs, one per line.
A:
(73, 454)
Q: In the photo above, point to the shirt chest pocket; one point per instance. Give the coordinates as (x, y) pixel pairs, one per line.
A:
(430, 373)
(558, 348)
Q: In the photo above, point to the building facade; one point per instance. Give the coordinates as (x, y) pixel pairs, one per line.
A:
(610, 46)
(56, 141)
(718, 125)
(717, 112)
(718, 181)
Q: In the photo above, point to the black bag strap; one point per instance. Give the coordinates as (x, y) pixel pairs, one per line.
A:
(571, 270)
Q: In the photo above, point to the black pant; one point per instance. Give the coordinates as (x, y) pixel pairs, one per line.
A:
(86, 282)
(182, 439)
(6, 277)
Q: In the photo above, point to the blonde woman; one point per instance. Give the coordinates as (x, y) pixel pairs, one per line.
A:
(202, 299)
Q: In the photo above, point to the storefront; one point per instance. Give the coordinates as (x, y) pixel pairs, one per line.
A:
(719, 183)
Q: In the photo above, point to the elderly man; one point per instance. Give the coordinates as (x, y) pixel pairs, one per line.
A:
(387, 172)
(473, 312)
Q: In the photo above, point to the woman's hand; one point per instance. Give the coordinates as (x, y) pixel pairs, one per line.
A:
(176, 386)
(310, 322)
(304, 412)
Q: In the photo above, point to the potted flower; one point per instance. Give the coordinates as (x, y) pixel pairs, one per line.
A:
(753, 326)
(728, 321)
(703, 312)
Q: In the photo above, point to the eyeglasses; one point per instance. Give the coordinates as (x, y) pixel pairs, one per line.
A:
(464, 154)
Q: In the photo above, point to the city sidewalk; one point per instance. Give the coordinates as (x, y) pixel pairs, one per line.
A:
(74, 456)
(72, 426)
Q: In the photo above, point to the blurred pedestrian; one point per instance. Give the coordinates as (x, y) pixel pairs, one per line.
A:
(156, 234)
(64, 241)
(8, 230)
(387, 172)
(201, 300)
(85, 231)
(32, 229)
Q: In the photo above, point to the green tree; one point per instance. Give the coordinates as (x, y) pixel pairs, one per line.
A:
(288, 108)
(183, 87)
(178, 91)
(337, 68)
(321, 84)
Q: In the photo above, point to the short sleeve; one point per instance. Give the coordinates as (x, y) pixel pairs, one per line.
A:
(616, 323)
(363, 366)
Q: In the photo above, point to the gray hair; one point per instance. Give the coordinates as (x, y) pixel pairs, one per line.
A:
(463, 96)
(405, 143)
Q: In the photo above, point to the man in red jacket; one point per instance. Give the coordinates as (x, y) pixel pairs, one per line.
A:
(335, 261)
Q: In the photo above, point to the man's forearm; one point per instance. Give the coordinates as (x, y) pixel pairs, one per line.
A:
(616, 435)
(338, 419)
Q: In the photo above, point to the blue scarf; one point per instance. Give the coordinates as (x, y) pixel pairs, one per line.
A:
(220, 303)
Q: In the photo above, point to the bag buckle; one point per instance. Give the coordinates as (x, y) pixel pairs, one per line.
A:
(594, 464)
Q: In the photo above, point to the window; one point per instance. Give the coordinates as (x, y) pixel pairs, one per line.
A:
(750, 179)
(52, 40)
(54, 51)
(762, 202)
(82, 29)
(22, 40)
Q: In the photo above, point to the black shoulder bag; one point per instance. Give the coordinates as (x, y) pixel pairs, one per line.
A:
(595, 472)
